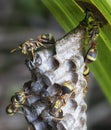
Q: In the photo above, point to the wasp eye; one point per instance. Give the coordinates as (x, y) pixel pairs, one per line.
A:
(18, 97)
(43, 36)
(65, 90)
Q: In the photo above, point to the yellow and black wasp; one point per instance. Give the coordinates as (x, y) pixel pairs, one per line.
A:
(91, 27)
(17, 102)
(91, 34)
(31, 46)
(67, 89)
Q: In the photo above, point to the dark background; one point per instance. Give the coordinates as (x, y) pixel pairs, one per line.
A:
(21, 20)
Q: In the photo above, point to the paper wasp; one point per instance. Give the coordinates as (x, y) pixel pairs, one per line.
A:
(67, 89)
(17, 102)
(31, 46)
(91, 28)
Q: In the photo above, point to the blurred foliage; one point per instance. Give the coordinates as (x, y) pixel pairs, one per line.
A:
(25, 12)
(30, 7)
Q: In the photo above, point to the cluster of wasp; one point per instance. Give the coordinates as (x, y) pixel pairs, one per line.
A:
(28, 48)
(67, 89)
(55, 102)
(91, 27)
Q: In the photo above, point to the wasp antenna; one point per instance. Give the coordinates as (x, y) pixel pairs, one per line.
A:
(15, 49)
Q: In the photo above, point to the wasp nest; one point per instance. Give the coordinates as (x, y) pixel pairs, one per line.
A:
(51, 105)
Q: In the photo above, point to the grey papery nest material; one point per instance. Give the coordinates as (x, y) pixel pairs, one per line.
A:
(49, 68)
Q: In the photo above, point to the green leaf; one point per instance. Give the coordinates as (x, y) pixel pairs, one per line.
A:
(104, 7)
(65, 12)
(69, 14)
